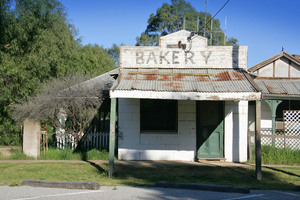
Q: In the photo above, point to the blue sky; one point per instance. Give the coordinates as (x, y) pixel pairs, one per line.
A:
(262, 25)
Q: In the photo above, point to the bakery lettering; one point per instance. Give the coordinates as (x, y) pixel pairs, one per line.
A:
(169, 57)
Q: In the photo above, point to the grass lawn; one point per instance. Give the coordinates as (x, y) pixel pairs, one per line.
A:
(279, 178)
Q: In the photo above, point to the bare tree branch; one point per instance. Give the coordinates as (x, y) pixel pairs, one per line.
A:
(79, 97)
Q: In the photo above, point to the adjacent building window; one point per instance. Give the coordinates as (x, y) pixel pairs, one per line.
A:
(158, 115)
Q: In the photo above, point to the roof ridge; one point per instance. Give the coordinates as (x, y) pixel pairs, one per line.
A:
(273, 58)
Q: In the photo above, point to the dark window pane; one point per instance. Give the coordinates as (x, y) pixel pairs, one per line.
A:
(158, 115)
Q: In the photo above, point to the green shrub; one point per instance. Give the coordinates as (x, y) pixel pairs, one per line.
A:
(10, 139)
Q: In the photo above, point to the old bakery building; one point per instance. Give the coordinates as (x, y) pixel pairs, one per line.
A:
(183, 100)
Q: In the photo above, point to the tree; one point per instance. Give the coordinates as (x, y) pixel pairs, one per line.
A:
(94, 60)
(37, 43)
(76, 96)
(35, 38)
(177, 16)
(114, 53)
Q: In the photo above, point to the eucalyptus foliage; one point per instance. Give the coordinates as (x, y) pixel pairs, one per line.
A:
(180, 15)
(38, 43)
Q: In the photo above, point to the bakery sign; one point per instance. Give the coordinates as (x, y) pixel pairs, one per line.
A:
(169, 57)
(175, 51)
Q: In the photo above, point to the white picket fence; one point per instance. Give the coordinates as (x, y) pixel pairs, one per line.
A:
(65, 141)
(90, 140)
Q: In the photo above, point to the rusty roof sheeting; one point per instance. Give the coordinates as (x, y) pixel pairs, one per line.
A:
(279, 86)
(184, 80)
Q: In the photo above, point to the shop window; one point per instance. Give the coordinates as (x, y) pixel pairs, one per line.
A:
(158, 115)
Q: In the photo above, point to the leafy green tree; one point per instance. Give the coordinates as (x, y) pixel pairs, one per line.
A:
(114, 53)
(36, 44)
(177, 16)
(95, 60)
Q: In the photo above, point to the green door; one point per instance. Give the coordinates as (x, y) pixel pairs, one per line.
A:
(210, 135)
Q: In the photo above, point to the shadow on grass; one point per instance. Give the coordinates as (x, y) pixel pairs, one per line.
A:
(84, 157)
(98, 167)
(280, 170)
(219, 175)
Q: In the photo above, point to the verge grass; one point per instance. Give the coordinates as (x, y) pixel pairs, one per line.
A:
(57, 154)
(278, 178)
(68, 154)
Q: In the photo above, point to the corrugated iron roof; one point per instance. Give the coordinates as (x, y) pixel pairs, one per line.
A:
(183, 80)
(279, 86)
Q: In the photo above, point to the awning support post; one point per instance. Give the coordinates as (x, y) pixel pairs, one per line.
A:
(258, 141)
(112, 136)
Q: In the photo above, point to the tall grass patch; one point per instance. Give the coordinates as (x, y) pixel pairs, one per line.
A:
(68, 154)
(278, 156)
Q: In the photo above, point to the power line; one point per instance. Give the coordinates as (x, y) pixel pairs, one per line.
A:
(217, 13)
(193, 33)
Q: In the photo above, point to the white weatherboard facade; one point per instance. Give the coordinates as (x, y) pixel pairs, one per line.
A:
(181, 145)
(133, 144)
